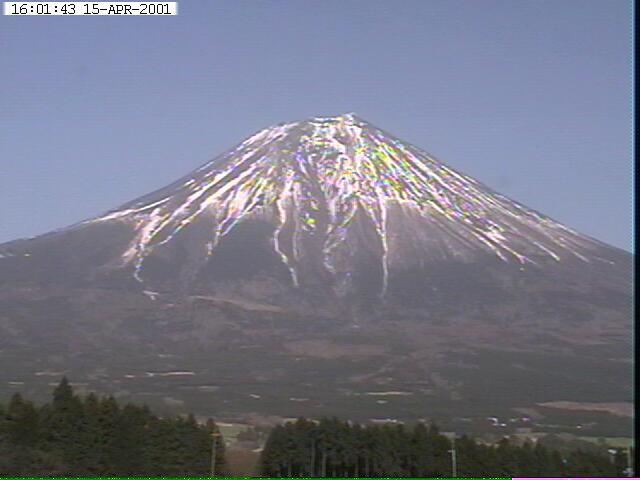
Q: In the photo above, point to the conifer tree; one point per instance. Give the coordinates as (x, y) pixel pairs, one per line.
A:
(21, 422)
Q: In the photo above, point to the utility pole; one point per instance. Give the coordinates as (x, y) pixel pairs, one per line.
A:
(214, 448)
(313, 457)
(454, 465)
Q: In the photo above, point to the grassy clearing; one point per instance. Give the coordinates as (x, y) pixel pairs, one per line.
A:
(616, 442)
(230, 431)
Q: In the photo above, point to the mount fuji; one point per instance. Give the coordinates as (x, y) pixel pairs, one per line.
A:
(316, 262)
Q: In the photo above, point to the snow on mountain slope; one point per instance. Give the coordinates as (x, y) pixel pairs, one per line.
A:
(312, 180)
(320, 259)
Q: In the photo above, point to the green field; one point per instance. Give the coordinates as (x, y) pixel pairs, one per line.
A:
(616, 442)
(230, 431)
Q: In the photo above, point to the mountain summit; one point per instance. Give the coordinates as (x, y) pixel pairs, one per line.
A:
(326, 246)
(332, 188)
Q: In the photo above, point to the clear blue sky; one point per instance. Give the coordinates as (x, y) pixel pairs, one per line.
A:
(532, 98)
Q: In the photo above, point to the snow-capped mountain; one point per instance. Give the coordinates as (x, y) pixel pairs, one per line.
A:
(363, 238)
(331, 187)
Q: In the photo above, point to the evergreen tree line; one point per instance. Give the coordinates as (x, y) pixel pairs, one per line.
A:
(94, 436)
(333, 448)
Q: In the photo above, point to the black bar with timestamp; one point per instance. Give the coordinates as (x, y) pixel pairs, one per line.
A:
(90, 8)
